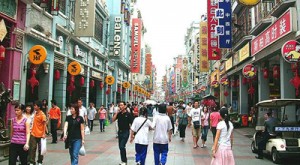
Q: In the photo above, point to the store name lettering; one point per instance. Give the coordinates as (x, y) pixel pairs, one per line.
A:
(136, 44)
(117, 36)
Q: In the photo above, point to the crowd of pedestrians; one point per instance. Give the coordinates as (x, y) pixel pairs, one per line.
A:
(29, 127)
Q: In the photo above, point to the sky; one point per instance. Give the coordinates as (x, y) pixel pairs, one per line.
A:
(166, 22)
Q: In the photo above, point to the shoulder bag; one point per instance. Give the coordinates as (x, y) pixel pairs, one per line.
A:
(140, 127)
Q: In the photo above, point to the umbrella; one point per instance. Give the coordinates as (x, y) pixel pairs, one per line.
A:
(150, 102)
(209, 97)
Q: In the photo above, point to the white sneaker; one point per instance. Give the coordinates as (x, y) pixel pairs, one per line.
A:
(40, 164)
(123, 163)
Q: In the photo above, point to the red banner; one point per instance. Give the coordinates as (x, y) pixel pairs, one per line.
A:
(55, 7)
(214, 52)
(277, 30)
(136, 45)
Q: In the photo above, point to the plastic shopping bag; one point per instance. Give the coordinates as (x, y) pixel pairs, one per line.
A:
(106, 122)
(87, 130)
(43, 146)
(82, 151)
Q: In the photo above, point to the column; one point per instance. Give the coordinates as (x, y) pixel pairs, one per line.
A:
(60, 90)
(243, 96)
(263, 85)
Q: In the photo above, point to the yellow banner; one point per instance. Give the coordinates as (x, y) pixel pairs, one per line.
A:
(244, 52)
(204, 64)
(228, 64)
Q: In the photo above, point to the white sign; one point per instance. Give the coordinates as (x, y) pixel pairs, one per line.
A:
(3, 30)
(96, 61)
(79, 53)
(117, 36)
(61, 41)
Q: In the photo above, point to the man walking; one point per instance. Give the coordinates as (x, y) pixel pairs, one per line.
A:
(194, 116)
(82, 111)
(37, 133)
(162, 135)
(55, 120)
(139, 133)
(91, 115)
(124, 122)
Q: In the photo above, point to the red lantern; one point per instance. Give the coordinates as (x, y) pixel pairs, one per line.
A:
(216, 94)
(57, 75)
(101, 85)
(266, 73)
(119, 90)
(237, 83)
(123, 90)
(81, 81)
(226, 93)
(72, 79)
(2, 53)
(276, 72)
(294, 67)
(108, 90)
(244, 80)
(33, 82)
(71, 86)
(129, 93)
(92, 83)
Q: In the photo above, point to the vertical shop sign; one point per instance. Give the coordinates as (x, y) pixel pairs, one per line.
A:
(223, 30)
(3, 30)
(85, 18)
(115, 45)
(203, 65)
(213, 43)
(185, 73)
(136, 45)
(55, 7)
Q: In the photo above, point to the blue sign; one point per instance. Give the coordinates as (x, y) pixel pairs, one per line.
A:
(223, 30)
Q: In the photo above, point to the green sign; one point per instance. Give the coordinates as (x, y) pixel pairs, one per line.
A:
(9, 8)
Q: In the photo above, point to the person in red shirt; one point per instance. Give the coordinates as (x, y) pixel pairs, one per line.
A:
(55, 120)
(215, 117)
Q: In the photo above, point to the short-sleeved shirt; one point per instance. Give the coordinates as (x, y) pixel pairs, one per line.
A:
(124, 120)
(102, 114)
(54, 113)
(91, 113)
(39, 124)
(162, 125)
(224, 139)
(74, 127)
(142, 136)
(195, 114)
(82, 111)
(215, 118)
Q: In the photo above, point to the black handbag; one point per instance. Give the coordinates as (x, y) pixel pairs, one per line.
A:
(196, 124)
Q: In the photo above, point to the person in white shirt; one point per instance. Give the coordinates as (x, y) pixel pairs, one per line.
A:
(91, 115)
(188, 108)
(111, 111)
(162, 135)
(116, 109)
(139, 133)
(82, 111)
(222, 148)
(194, 117)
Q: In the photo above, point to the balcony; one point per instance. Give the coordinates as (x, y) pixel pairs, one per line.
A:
(236, 7)
(261, 26)
(240, 39)
(281, 7)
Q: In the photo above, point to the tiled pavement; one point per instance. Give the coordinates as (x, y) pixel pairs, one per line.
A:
(102, 149)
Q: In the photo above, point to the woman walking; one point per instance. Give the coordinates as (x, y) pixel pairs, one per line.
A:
(181, 123)
(214, 120)
(222, 149)
(20, 133)
(29, 114)
(74, 133)
(205, 126)
(102, 116)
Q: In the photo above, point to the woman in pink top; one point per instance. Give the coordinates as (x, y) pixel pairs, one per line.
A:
(214, 120)
(20, 133)
(102, 117)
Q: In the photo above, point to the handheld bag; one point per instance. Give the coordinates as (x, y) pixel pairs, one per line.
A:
(82, 151)
(43, 146)
(196, 124)
(87, 130)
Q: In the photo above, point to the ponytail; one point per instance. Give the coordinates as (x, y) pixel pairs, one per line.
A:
(226, 121)
(224, 115)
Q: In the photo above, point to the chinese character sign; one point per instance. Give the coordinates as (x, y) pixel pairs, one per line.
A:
(204, 65)
(283, 26)
(213, 52)
(85, 18)
(223, 29)
(136, 45)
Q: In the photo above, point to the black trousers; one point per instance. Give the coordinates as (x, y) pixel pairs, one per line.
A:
(182, 130)
(262, 144)
(16, 150)
(214, 132)
(91, 124)
(123, 136)
(172, 121)
(53, 123)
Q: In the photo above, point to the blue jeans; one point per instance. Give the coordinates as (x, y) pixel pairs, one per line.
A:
(160, 153)
(204, 133)
(75, 145)
(140, 153)
(123, 136)
(101, 124)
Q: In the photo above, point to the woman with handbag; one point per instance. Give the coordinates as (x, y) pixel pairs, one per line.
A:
(74, 133)
(205, 125)
(181, 123)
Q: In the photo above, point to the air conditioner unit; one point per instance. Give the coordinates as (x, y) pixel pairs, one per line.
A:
(27, 1)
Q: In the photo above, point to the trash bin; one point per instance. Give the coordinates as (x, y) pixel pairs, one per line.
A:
(245, 120)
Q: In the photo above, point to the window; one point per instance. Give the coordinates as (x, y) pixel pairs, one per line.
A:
(99, 28)
(62, 7)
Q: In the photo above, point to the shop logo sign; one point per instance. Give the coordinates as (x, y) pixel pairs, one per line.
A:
(249, 71)
(290, 51)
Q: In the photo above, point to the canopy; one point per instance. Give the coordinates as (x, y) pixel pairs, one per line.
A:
(278, 103)
(209, 97)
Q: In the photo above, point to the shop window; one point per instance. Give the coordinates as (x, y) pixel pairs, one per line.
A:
(99, 28)
(242, 25)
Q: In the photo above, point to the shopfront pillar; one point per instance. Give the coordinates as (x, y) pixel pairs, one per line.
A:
(46, 84)
(243, 96)
(60, 87)
(100, 97)
(263, 87)
(287, 90)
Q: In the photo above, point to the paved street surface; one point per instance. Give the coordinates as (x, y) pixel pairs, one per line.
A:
(102, 149)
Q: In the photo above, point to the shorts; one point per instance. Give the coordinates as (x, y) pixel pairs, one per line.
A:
(196, 132)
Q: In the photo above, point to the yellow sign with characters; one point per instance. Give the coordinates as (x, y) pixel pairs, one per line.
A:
(135, 88)
(74, 68)
(37, 54)
(249, 2)
(110, 80)
(126, 85)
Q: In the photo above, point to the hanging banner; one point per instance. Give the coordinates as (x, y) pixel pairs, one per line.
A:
(214, 52)
(249, 71)
(244, 53)
(85, 18)
(126, 85)
(74, 68)
(204, 65)
(185, 73)
(37, 54)
(109, 80)
(223, 29)
(290, 51)
(136, 45)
